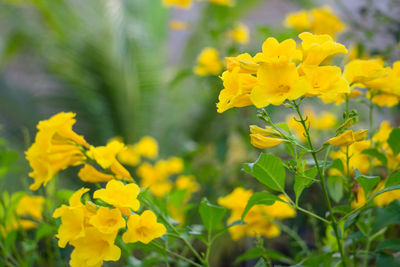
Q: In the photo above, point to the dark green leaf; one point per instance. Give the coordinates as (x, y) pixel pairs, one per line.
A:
(352, 219)
(250, 254)
(394, 141)
(303, 180)
(269, 170)
(375, 153)
(388, 260)
(335, 187)
(389, 244)
(387, 216)
(394, 179)
(367, 182)
(211, 215)
(260, 198)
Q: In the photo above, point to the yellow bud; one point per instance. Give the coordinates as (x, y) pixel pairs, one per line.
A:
(360, 135)
(267, 131)
(262, 142)
(345, 139)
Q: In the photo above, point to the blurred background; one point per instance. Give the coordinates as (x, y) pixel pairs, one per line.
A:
(121, 68)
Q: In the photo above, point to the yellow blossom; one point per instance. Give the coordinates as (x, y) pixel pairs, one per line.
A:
(120, 196)
(280, 210)
(161, 189)
(94, 248)
(143, 228)
(188, 183)
(175, 165)
(56, 147)
(178, 3)
(275, 52)
(360, 71)
(208, 62)
(317, 48)
(90, 174)
(384, 99)
(360, 199)
(237, 88)
(277, 82)
(178, 25)
(240, 34)
(31, 205)
(107, 220)
(383, 134)
(245, 62)
(129, 156)
(358, 160)
(387, 197)
(348, 137)
(325, 22)
(263, 142)
(147, 147)
(300, 21)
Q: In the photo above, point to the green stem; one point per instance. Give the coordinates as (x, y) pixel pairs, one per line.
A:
(313, 214)
(177, 255)
(324, 188)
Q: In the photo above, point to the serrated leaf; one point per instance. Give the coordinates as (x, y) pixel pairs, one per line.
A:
(394, 141)
(335, 187)
(260, 198)
(394, 179)
(211, 215)
(375, 153)
(303, 180)
(269, 170)
(367, 182)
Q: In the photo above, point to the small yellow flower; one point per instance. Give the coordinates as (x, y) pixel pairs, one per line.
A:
(89, 174)
(275, 52)
(245, 62)
(263, 142)
(280, 210)
(178, 3)
(147, 147)
(360, 135)
(32, 206)
(129, 156)
(383, 134)
(188, 183)
(178, 25)
(120, 196)
(300, 21)
(56, 147)
(143, 228)
(345, 139)
(107, 220)
(240, 34)
(236, 92)
(94, 248)
(208, 62)
(384, 99)
(161, 189)
(387, 197)
(358, 160)
(317, 48)
(276, 83)
(361, 71)
(325, 22)
(175, 165)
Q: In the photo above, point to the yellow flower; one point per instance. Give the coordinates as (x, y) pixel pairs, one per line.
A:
(107, 220)
(240, 34)
(178, 3)
(188, 183)
(361, 71)
(358, 160)
(32, 206)
(147, 147)
(178, 25)
(208, 62)
(222, 2)
(387, 197)
(280, 210)
(317, 48)
(325, 22)
(94, 248)
(89, 174)
(263, 142)
(26, 224)
(277, 82)
(129, 156)
(236, 92)
(348, 137)
(56, 147)
(161, 189)
(275, 52)
(175, 165)
(245, 62)
(300, 21)
(325, 81)
(143, 228)
(106, 157)
(325, 121)
(384, 99)
(120, 196)
(360, 199)
(383, 134)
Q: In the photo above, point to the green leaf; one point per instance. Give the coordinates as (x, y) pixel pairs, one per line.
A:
(387, 216)
(352, 219)
(367, 182)
(394, 141)
(269, 170)
(303, 180)
(394, 179)
(337, 164)
(44, 230)
(389, 244)
(335, 187)
(250, 254)
(284, 126)
(260, 198)
(261, 263)
(211, 215)
(375, 153)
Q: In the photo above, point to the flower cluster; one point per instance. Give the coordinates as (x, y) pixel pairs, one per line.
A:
(318, 21)
(92, 228)
(259, 219)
